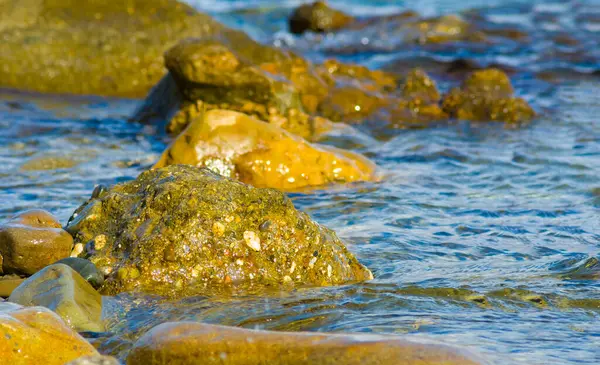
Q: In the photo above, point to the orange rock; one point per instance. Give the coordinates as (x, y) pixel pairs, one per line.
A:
(184, 343)
(36, 335)
(262, 154)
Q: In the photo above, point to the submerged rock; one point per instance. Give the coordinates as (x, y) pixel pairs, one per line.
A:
(64, 291)
(36, 335)
(261, 154)
(92, 46)
(193, 343)
(48, 163)
(181, 230)
(32, 240)
(94, 360)
(317, 17)
(487, 95)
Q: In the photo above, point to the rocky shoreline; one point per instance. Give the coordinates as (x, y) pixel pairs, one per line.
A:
(244, 119)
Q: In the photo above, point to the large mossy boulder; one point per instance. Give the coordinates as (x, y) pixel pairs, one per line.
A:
(188, 343)
(36, 335)
(112, 48)
(262, 154)
(182, 230)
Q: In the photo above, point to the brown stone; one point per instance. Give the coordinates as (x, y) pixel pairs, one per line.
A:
(36, 335)
(184, 343)
(32, 240)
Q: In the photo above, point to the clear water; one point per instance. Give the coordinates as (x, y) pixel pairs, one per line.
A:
(480, 236)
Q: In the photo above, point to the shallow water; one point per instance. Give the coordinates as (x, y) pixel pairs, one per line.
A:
(480, 236)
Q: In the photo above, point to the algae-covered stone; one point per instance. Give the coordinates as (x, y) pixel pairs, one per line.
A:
(487, 95)
(261, 154)
(32, 240)
(181, 230)
(63, 290)
(317, 17)
(36, 335)
(190, 343)
(92, 46)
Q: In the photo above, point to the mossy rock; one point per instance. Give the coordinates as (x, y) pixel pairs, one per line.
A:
(112, 48)
(182, 230)
(487, 95)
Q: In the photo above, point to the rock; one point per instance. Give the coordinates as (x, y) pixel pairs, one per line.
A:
(234, 72)
(262, 154)
(48, 163)
(194, 343)
(64, 291)
(404, 27)
(36, 335)
(8, 283)
(317, 17)
(86, 269)
(182, 230)
(32, 240)
(487, 95)
(94, 360)
(92, 46)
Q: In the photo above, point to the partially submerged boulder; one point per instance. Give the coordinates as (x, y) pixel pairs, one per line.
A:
(182, 230)
(487, 95)
(32, 240)
(36, 335)
(231, 71)
(261, 154)
(64, 291)
(112, 48)
(195, 343)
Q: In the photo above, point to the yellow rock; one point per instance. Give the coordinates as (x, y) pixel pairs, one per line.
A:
(36, 335)
(184, 343)
(262, 154)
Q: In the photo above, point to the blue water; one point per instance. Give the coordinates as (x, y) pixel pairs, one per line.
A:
(480, 236)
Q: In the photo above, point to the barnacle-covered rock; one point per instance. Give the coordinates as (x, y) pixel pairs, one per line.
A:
(182, 230)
